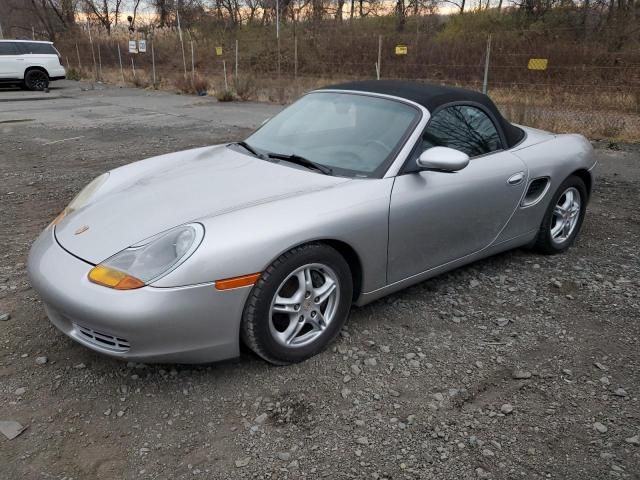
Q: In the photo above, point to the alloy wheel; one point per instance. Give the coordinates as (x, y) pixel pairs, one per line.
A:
(565, 215)
(304, 305)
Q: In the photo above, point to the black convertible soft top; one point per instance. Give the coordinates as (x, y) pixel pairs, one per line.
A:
(433, 97)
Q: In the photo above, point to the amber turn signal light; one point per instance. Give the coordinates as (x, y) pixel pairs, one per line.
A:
(112, 278)
(236, 282)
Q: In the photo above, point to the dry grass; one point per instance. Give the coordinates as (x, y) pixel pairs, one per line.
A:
(598, 115)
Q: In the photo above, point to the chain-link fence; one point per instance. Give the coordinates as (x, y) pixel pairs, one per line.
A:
(564, 80)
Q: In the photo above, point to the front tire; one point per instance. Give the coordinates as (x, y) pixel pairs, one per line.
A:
(36, 80)
(299, 305)
(563, 218)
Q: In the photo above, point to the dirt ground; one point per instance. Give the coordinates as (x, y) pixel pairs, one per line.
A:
(518, 366)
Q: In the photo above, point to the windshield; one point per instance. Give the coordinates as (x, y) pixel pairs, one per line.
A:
(351, 134)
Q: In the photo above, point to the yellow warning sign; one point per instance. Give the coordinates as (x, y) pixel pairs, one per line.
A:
(219, 51)
(401, 49)
(538, 63)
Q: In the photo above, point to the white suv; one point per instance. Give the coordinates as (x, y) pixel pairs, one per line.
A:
(30, 64)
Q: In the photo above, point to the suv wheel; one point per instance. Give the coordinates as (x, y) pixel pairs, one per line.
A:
(36, 80)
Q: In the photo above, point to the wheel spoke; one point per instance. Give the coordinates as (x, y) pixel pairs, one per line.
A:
(566, 229)
(323, 292)
(559, 211)
(557, 230)
(318, 322)
(304, 280)
(286, 304)
(294, 329)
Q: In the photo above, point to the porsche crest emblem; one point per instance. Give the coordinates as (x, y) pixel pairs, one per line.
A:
(82, 229)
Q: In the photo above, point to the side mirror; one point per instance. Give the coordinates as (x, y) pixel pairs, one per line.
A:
(444, 159)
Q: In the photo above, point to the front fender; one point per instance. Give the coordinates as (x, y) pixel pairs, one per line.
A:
(248, 240)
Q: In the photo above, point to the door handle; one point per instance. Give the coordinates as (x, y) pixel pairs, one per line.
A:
(516, 178)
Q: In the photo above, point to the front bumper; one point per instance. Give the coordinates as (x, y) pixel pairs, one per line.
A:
(192, 324)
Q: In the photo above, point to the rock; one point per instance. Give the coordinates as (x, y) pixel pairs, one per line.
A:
(107, 412)
(474, 283)
(20, 391)
(438, 397)
(284, 456)
(370, 362)
(355, 369)
(345, 392)
(4, 317)
(260, 419)
(41, 360)
(79, 366)
(501, 322)
(620, 392)
(243, 462)
(11, 429)
(507, 408)
(385, 349)
(293, 465)
(410, 356)
(635, 440)
(521, 374)
(600, 428)
(362, 441)
(482, 473)
(487, 453)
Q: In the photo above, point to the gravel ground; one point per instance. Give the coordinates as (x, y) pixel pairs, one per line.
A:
(518, 366)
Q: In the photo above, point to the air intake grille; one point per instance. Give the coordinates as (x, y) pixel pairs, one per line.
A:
(103, 340)
(536, 190)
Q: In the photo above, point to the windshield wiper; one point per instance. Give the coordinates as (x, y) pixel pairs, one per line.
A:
(248, 148)
(305, 162)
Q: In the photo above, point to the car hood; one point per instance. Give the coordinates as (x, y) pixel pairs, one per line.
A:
(148, 197)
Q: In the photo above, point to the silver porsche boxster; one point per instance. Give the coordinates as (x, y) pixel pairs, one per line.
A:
(351, 193)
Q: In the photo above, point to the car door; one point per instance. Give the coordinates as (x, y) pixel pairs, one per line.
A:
(9, 56)
(438, 217)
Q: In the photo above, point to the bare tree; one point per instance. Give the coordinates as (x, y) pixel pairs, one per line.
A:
(106, 12)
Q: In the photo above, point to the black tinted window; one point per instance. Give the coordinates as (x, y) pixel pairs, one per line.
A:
(464, 128)
(7, 48)
(41, 48)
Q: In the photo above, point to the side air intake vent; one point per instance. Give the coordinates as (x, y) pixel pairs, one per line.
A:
(537, 188)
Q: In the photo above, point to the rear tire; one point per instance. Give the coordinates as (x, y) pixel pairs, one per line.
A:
(299, 305)
(563, 218)
(36, 80)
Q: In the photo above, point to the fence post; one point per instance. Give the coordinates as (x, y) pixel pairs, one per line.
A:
(378, 65)
(224, 68)
(99, 63)
(193, 64)
(485, 81)
(153, 64)
(78, 53)
(236, 59)
(93, 53)
(133, 68)
(33, 33)
(184, 59)
(120, 59)
(1, 34)
(295, 57)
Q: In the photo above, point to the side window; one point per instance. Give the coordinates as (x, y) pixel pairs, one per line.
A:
(39, 48)
(7, 48)
(464, 128)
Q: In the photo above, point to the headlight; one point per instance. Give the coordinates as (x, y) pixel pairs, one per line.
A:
(82, 198)
(149, 260)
